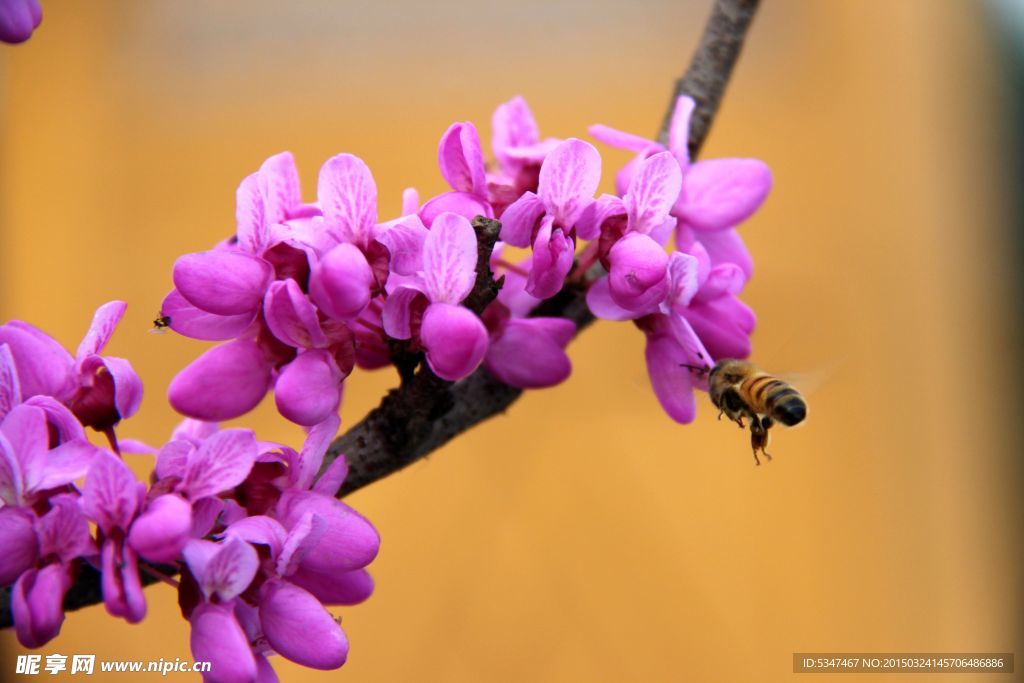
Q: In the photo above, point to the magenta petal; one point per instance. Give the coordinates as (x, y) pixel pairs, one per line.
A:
(63, 465)
(461, 159)
(37, 604)
(265, 671)
(462, 203)
(161, 531)
(723, 280)
(224, 571)
(122, 589)
(341, 282)
(291, 317)
(404, 239)
(455, 340)
(194, 431)
(187, 320)
(341, 588)
(606, 206)
(512, 126)
(10, 387)
(298, 627)
(568, 180)
(525, 356)
(720, 193)
(63, 532)
(724, 325)
(18, 539)
(308, 390)
(410, 201)
(279, 185)
(601, 304)
(726, 246)
(221, 462)
(552, 261)
(222, 282)
(172, 458)
(44, 367)
(619, 139)
(18, 18)
(398, 312)
(520, 218)
(61, 420)
(219, 639)
(26, 432)
(333, 477)
(347, 195)
(679, 129)
(652, 192)
(260, 530)
(311, 457)
(349, 542)
(12, 484)
(127, 386)
(682, 279)
(449, 259)
(637, 278)
(250, 217)
(104, 322)
(112, 495)
(301, 538)
(671, 382)
(225, 382)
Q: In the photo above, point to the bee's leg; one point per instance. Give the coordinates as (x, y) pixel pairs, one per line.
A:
(759, 437)
(766, 424)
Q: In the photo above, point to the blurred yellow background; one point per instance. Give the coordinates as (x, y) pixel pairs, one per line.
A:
(584, 536)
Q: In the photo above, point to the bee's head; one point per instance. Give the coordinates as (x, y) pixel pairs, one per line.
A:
(730, 371)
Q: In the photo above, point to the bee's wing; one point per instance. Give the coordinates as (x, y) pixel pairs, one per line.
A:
(809, 382)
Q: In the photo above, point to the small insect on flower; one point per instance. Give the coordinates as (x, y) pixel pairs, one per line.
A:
(740, 389)
(160, 324)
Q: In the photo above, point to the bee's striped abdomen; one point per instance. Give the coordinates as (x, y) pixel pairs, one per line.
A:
(767, 395)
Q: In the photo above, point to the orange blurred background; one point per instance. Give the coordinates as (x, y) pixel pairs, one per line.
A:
(583, 536)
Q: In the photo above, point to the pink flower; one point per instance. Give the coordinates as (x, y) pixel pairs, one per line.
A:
(548, 220)
(99, 390)
(112, 498)
(18, 19)
(699, 320)
(58, 538)
(519, 152)
(716, 194)
(312, 551)
(462, 164)
(633, 231)
(454, 339)
(525, 352)
(29, 468)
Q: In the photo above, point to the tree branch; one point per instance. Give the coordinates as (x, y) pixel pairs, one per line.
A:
(426, 412)
(710, 67)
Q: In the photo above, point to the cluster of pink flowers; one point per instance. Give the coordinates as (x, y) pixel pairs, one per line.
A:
(253, 527)
(304, 293)
(298, 297)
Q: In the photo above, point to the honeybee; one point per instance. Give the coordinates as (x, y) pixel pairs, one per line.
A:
(740, 389)
(161, 324)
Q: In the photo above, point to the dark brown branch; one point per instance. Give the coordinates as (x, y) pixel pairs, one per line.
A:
(425, 412)
(710, 67)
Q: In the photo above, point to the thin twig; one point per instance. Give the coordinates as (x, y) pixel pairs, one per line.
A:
(710, 67)
(425, 412)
